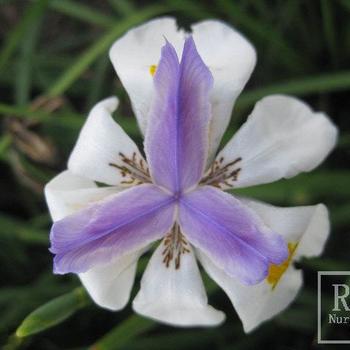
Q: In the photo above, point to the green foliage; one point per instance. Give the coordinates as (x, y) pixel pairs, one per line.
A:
(53, 312)
(101, 46)
(33, 14)
(118, 337)
(57, 49)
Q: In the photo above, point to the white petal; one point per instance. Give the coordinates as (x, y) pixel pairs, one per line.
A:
(230, 57)
(307, 226)
(281, 138)
(110, 285)
(66, 193)
(175, 296)
(100, 143)
(134, 54)
(231, 60)
(258, 303)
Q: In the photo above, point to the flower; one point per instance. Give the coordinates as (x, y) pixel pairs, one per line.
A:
(177, 196)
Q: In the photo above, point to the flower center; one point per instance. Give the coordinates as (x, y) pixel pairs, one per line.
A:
(175, 245)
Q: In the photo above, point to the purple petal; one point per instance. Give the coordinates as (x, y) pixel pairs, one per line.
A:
(113, 227)
(177, 136)
(230, 233)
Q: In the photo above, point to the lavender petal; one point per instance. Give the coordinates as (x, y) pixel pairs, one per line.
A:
(230, 234)
(177, 136)
(115, 226)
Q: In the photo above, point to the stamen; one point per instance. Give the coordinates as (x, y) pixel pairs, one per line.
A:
(152, 69)
(175, 245)
(222, 176)
(134, 170)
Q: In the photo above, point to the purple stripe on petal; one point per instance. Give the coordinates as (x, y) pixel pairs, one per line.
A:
(177, 136)
(115, 226)
(230, 233)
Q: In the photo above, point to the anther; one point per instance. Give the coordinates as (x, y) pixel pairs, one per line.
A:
(175, 246)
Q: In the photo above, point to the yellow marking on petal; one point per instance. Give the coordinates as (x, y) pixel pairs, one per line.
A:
(277, 271)
(152, 69)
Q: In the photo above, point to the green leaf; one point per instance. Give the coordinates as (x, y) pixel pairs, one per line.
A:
(82, 12)
(98, 82)
(24, 64)
(33, 12)
(301, 189)
(12, 228)
(329, 27)
(121, 335)
(123, 7)
(327, 82)
(100, 47)
(5, 142)
(45, 287)
(24, 112)
(53, 312)
(264, 32)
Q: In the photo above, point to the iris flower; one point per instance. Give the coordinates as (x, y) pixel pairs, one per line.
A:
(182, 89)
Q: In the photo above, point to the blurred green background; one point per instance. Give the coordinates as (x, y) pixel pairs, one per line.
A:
(54, 67)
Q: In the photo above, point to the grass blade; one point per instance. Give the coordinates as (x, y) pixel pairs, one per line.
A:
(53, 312)
(98, 82)
(5, 143)
(302, 189)
(84, 61)
(328, 82)
(19, 230)
(329, 28)
(82, 12)
(264, 32)
(40, 115)
(31, 15)
(121, 335)
(123, 7)
(25, 63)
